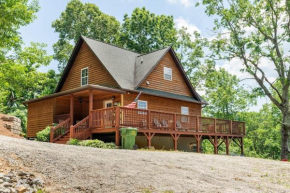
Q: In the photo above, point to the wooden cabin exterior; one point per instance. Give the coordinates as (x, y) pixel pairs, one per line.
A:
(100, 80)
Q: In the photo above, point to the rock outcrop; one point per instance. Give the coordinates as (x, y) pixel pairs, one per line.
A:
(11, 123)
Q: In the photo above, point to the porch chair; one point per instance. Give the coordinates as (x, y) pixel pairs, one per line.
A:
(178, 125)
(164, 124)
(143, 124)
(157, 123)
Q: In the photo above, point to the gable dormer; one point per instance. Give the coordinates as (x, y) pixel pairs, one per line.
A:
(87, 69)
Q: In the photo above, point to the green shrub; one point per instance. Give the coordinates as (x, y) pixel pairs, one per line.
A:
(74, 142)
(110, 145)
(92, 143)
(43, 135)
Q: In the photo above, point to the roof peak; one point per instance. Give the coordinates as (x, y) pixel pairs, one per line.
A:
(110, 44)
(155, 51)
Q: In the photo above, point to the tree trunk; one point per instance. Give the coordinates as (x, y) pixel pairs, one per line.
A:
(285, 128)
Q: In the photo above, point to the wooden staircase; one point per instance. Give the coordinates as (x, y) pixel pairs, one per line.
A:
(64, 131)
(63, 139)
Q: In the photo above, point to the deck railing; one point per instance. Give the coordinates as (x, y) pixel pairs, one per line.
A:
(149, 119)
(80, 129)
(59, 130)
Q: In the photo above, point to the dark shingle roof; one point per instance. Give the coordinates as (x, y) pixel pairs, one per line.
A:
(129, 69)
(145, 63)
(167, 94)
(119, 62)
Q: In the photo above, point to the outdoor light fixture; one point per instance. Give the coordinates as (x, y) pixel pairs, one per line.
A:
(80, 99)
(113, 97)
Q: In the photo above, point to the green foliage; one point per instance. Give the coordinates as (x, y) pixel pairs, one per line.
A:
(256, 33)
(82, 19)
(21, 80)
(43, 135)
(220, 87)
(144, 32)
(92, 143)
(263, 132)
(73, 142)
(19, 76)
(14, 14)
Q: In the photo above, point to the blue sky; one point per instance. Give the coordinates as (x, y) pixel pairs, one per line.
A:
(184, 12)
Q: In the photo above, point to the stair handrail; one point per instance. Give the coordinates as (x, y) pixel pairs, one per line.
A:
(56, 133)
(75, 130)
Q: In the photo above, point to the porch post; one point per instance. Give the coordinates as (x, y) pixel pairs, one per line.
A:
(91, 106)
(72, 109)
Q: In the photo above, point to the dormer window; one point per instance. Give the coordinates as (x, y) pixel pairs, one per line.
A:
(167, 73)
(84, 77)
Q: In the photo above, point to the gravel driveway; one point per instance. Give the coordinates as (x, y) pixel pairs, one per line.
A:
(67, 168)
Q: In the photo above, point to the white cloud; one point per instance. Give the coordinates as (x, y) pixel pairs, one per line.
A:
(181, 22)
(235, 65)
(185, 3)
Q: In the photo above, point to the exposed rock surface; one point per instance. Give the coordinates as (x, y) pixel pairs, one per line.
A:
(20, 182)
(11, 123)
(66, 168)
(10, 126)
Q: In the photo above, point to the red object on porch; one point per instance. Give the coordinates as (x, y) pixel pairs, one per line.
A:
(284, 160)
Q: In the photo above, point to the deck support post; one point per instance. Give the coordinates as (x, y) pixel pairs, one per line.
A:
(227, 146)
(71, 109)
(91, 106)
(175, 138)
(117, 137)
(242, 146)
(198, 142)
(215, 145)
(149, 136)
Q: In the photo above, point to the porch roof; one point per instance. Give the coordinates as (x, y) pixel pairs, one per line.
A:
(83, 88)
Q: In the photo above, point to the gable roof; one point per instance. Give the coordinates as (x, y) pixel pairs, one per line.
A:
(146, 63)
(129, 69)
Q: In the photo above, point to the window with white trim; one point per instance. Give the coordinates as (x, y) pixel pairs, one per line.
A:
(184, 111)
(84, 77)
(142, 105)
(167, 73)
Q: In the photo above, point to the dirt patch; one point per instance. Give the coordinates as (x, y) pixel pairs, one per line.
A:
(6, 132)
(67, 168)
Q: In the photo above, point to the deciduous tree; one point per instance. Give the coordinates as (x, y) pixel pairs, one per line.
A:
(82, 19)
(257, 33)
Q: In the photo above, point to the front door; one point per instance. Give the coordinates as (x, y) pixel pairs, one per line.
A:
(108, 114)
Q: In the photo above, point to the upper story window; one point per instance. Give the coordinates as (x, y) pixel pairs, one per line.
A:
(184, 111)
(142, 105)
(85, 77)
(167, 73)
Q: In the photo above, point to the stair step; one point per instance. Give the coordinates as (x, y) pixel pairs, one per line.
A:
(63, 139)
(61, 142)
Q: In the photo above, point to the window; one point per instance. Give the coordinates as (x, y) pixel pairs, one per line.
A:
(142, 105)
(84, 77)
(108, 103)
(167, 73)
(184, 111)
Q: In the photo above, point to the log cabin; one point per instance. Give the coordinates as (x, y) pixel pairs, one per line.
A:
(98, 83)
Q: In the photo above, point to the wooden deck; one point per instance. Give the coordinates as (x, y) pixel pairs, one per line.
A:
(149, 122)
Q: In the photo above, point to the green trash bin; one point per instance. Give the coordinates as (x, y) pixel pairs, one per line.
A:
(128, 135)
